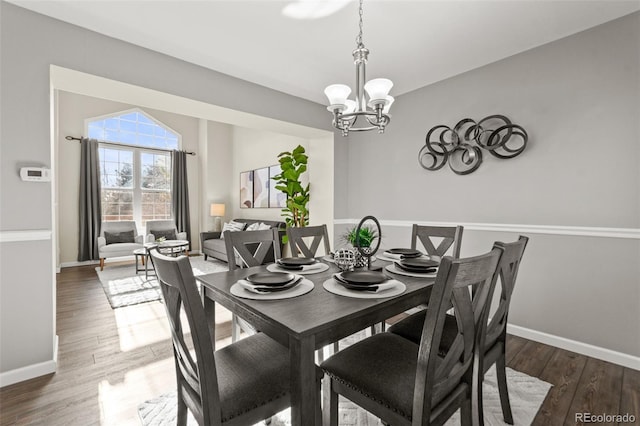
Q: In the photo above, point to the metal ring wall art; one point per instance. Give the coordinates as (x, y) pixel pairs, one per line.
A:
(462, 146)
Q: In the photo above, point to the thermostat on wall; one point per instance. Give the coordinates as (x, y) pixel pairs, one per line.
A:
(35, 174)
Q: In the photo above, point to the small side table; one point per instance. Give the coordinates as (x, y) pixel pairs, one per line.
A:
(142, 255)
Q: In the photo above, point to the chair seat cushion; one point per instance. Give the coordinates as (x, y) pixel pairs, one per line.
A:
(383, 368)
(411, 328)
(252, 372)
(119, 248)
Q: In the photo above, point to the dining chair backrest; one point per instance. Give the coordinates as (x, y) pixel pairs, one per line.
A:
(455, 279)
(296, 236)
(251, 246)
(451, 238)
(197, 378)
(509, 266)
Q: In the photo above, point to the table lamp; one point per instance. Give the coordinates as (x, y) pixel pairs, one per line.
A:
(217, 211)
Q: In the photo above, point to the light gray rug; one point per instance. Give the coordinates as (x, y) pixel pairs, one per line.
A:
(124, 287)
(526, 395)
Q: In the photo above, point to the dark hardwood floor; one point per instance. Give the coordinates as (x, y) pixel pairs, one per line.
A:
(111, 360)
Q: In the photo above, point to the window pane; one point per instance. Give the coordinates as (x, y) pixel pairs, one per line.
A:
(119, 167)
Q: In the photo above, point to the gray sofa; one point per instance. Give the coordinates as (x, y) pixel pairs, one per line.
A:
(212, 245)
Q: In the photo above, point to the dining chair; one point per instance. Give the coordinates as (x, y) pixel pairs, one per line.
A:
(451, 238)
(251, 247)
(319, 234)
(296, 236)
(240, 384)
(247, 249)
(496, 330)
(404, 383)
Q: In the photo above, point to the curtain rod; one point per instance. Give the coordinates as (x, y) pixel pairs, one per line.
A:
(71, 138)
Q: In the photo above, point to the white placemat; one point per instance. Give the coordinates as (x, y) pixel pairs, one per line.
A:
(304, 287)
(306, 269)
(395, 270)
(332, 286)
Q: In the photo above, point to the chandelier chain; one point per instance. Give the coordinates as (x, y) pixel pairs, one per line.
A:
(359, 42)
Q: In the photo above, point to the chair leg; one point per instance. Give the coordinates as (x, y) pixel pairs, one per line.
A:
(501, 375)
(319, 403)
(330, 411)
(466, 412)
(181, 418)
(205, 257)
(101, 263)
(235, 328)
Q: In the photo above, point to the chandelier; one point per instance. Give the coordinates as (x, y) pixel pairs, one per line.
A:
(373, 114)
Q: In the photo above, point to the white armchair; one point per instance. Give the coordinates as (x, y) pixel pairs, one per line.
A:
(118, 238)
(163, 228)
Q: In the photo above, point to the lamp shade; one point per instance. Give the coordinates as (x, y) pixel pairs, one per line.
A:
(217, 210)
(387, 106)
(337, 94)
(378, 88)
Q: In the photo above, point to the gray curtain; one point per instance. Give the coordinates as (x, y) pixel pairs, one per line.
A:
(180, 192)
(90, 205)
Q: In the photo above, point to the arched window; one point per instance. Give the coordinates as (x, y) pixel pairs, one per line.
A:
(135, 166)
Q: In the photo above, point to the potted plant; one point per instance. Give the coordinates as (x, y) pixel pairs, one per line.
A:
(293, 164)
(367, 236)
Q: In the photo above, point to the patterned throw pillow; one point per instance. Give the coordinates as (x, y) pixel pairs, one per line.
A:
(232, 226)
(119, 237)
(168, 234)
(258, 226)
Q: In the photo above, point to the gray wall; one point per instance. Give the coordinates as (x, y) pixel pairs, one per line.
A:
(579, 100)
(29, 43)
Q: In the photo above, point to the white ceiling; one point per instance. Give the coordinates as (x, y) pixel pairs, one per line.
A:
(414, 43)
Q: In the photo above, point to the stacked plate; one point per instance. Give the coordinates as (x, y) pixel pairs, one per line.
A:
(404, 253)
(295, 263)
(263, 282)
(422, 265)
(360, 280)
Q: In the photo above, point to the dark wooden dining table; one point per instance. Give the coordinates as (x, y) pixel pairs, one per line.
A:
(308, 322)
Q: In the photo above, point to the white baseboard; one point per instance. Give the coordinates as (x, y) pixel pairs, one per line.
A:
(592, 351)
(31, 371)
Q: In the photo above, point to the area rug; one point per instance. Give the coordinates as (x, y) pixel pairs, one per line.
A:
(526, 395)
(124, 287)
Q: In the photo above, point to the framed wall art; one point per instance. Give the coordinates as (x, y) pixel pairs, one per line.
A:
(246, 190)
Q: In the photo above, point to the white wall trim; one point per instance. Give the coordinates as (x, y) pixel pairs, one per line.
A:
(25, 235)
(580, 231)
(31, 371)
(598, 352)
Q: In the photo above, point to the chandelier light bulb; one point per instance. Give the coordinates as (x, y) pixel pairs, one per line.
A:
(387, 105)
(337, 94)
(351, 106)
(378, 88)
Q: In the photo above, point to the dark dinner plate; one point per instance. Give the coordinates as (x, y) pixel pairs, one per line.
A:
(270, 279)
(352, 286)
(420, 270)
(296, 261)
(285, 286)
(406, 252)
(363, 277)
(420, 262)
